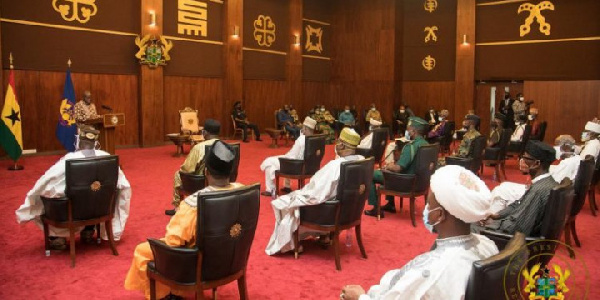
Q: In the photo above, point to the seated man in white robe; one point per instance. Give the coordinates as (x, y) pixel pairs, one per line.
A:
(367, 141)
(322, 187)
(591, 137)
(509, 192)
(52, 185)
(520, 124)
(271, 164)
(458, 197)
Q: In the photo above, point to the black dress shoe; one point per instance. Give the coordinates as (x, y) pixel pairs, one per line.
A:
(259, 140)
(170, 212)
(246, 141)
(373, 213)
(286, 190)
(390, 207)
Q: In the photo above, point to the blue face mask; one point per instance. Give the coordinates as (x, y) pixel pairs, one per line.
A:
(406, 135)
(426, 212)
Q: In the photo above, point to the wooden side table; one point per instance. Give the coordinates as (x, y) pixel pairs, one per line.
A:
(274, 134)
(179, 140)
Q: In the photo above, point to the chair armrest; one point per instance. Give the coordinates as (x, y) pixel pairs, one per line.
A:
(175, 263)
(55, 209)
(492, 153)
(465, 162)
(399, 182)
(291, 166)
(364, 152)
(501, 239)
(322, 214)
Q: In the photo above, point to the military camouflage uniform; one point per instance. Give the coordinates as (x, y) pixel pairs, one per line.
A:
(465, 145)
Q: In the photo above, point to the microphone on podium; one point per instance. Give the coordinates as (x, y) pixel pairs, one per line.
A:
(106, 107)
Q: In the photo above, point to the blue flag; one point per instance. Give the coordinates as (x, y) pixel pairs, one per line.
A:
(66, 129)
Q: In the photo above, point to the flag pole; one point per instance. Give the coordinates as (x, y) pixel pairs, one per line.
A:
(15, 167)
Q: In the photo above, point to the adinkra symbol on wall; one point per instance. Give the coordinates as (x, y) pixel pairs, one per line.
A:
(314, 39)
(430, 33)
(535, 13)
(71, 10)
(264, 31)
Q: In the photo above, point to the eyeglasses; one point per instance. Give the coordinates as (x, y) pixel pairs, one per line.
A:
(523, 157)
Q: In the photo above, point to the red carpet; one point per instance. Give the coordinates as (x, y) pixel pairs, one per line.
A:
(390, 243)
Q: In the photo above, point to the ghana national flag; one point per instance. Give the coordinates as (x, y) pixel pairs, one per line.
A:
(10, 128)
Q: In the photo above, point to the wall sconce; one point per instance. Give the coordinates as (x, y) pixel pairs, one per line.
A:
(297, 40)
(236, 32)
(465, 43)
(152, 18)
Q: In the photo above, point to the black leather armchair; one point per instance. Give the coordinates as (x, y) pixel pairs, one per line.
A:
(225, 231)
(345, 210)
(90, 193)
(475, 159)
(445, 140)
(302, 169)
(582, 183)
(380, 136)
(556, 212)
(517, 148)
(410, 185)
(542, 134)
(191, 182)
(489, 279)
(496, 156)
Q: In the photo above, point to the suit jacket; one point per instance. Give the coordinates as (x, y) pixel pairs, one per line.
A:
(507, 110)
(428, 118)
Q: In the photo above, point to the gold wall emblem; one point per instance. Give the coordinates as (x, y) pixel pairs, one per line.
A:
(430, 33)
(428, 63)
(430, 5)
(114, 120)
(235, 230)
(540, 285)
(71, 10)
(192, 16)
(316, 35)
(152, 51)
(95, 186)
(264, 31)
(535, 13)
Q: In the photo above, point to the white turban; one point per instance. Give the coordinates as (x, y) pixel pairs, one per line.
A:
(592, 126)
(374, 122)
(461, 193)
(310, 123)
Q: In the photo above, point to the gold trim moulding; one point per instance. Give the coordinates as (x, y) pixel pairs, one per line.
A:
(316, 57)
(591, 38)
(176, 38)
(317, 22)
(217, 1)
(66, 27)
(265, 51)
(501, 2)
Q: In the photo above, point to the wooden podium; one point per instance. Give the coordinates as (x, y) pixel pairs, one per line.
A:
(106, 125)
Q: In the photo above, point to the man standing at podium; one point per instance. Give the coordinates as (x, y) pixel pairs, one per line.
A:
(85, 109)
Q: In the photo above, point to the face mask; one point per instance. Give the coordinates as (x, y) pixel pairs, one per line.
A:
(585, 136)
(517, 123)
(402, 111)
(441, 119)
(370, 128)
(406, 135)
(322, 109)
(522, 98)
(524, 168)
(373, 108)
(76, 142)
(531, 117)
(347, 110)
(426, 212)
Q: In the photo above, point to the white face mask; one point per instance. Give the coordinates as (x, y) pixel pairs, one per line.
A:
(322, 109)
(402, 111)
(441, 119)
(517, 123)
(407, 135)
(426, 212)
(347, 110)
(585, 136)
(373, 108)
(522, 98)
(531, 117)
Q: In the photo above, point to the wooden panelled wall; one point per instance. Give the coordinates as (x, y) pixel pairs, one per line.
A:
(366, 68)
